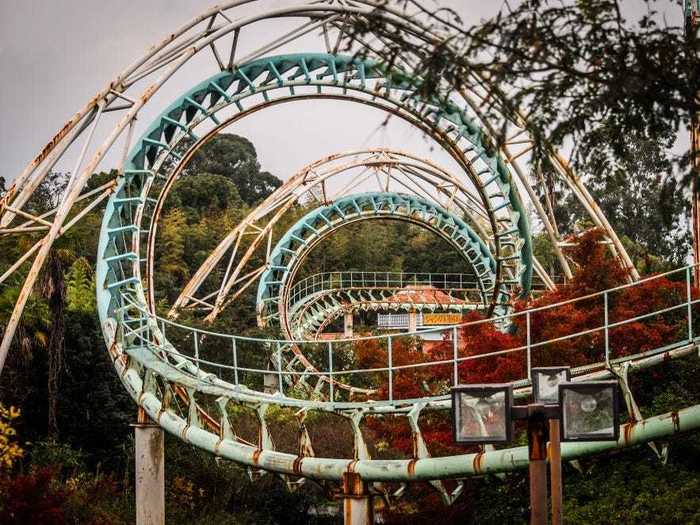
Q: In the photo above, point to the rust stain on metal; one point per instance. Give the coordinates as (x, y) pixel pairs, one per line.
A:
(412, 467)
(351, 466)
(256, 455)
(414, 439)
(113, 350)
(353, 486)
(676, 421)
(204, 416)
(296, 466)
(55, 140)
(627, 430)
(155, 448)
(477, 463)
(7, 197)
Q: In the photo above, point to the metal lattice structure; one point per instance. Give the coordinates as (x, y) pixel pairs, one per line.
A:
(487, 209)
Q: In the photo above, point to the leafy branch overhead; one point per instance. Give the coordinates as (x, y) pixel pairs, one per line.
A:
(575, 67)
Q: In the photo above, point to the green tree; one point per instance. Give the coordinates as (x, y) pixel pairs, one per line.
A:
(575, 66)
(172, 244)
(602, 79)
(235, 158)
(636, 198)
(80, 287)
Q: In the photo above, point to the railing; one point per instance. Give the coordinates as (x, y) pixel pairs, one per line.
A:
(241, 360)
(322, 282)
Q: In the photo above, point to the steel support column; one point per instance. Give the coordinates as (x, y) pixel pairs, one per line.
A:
(691, 10)
(555, 478)
(149, 473)
(412, 321)
(348, 324)
(537, 452)
(695, 153)
(357, 502)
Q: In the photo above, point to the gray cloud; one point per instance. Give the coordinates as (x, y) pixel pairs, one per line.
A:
(55, 55)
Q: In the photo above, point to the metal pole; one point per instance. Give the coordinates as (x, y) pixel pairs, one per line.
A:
(235, 361)
(196, 349)
(537, 452)
(330, 371)
(528, 343)
(555, 479)
(279, 368)
(455, 355)
(691, 28)
(149, 475)
(607, 334)
(695, 151)
(690, 304)
(348, 324)
(391, 372)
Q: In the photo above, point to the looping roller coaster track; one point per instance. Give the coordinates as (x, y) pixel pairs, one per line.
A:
(486, 209)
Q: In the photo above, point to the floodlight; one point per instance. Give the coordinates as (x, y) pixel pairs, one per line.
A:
(482, 413)
(589, 411)
(545, 383)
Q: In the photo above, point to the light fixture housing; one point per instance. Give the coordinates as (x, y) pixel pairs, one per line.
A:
(589, 411)
(482, 413)
(545, 383)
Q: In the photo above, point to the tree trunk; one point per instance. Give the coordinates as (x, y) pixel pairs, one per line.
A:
(54, 289)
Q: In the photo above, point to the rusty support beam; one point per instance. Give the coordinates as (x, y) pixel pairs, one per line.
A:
(537, 455)
(357, 502)
(691, 25)
(695, 154)
(555, 478)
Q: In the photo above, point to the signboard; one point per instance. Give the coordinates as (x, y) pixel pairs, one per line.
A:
(441, 319)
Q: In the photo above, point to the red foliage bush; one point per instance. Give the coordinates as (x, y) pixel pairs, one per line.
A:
(32, 498)
(597, 270)
(44, 497)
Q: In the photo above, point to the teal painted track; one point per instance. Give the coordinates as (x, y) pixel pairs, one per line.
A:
(291, 250)
(157, 375)
(337, 77)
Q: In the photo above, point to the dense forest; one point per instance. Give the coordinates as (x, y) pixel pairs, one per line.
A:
(65, 442)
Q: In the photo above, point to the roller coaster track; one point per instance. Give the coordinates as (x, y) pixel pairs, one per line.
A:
(318, 299)
(190, 380)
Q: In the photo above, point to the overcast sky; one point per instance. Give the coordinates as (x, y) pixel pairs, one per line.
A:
(56, 54)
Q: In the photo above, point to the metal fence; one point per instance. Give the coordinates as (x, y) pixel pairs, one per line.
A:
(322, 282)
(331, 363)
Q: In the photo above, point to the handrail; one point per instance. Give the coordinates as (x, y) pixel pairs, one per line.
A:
(418, 333)
(391, 368)
(379, 279)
